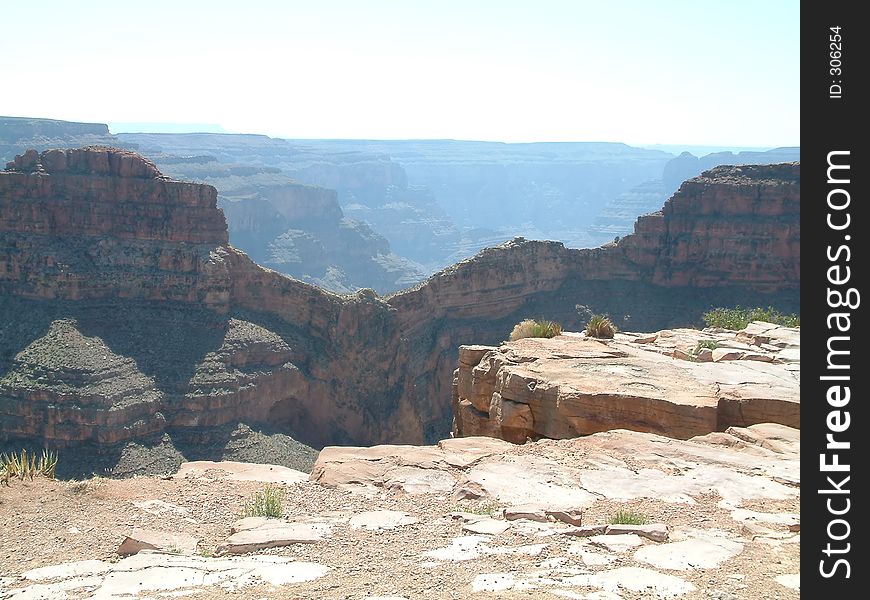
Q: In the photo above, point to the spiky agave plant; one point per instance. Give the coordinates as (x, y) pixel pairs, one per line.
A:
(24, 464)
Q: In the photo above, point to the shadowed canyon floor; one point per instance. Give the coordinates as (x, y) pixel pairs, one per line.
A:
(471, 517)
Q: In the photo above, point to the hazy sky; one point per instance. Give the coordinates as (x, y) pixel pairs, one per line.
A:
(640, 72)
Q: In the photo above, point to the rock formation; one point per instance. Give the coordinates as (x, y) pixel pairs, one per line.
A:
(124, 312)
(663, 383)
(618, 215)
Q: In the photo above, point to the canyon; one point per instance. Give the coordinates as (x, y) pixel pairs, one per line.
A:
(352, 214)
(126, 316)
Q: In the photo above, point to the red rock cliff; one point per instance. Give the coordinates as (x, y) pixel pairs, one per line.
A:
(124, 312)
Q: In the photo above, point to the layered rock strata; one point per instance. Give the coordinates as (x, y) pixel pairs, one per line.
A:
(680, 383)
(120, 295)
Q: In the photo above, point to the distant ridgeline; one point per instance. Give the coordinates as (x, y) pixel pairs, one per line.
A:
(125, 314)
(350, 214)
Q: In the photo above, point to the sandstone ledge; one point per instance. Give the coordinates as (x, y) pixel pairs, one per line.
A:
(661, 383)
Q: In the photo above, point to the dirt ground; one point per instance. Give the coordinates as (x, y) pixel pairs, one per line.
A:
(46, 522)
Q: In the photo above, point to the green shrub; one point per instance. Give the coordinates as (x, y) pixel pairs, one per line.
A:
(27, 465)
(267, 503)
(627, 517)
(600, 326)
(738, 318)
(709, 344)
(537, 328)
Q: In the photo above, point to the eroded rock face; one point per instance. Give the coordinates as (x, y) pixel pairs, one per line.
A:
(572, 385)
(124, 311)
(98, 222)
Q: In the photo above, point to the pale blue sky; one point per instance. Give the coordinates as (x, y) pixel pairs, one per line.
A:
(640, 72)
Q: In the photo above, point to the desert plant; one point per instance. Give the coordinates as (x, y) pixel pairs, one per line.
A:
(709, 344)
(27, 465)
(539, 328)
(269, 502)
(600, 326)
(738, 318)
(627, 517)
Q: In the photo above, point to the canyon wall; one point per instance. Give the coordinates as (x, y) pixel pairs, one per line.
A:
(126, 313)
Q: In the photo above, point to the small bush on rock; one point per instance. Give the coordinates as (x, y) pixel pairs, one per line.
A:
(627, 517)
(600, 326)
(267, 503)
(708, 344)
(738, 318)
(535, 328)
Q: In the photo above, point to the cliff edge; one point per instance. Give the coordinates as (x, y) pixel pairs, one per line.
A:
(125, 313)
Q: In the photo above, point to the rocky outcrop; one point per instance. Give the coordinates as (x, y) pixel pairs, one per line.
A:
(662, 383)
(737, 224)
(132, 233)
(124, 312)
(617, 217)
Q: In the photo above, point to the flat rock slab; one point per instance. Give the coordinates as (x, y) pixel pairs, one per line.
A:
(617, 543)
(571, 517)
(466, 547)
(585, 530)
(657, 532)
(693, 553)
(257, 533)
(238, 471)
(526, 511)
(415, 480)
(522, 480)
(149, 539)
(381, 519)
(486, 526)
(789, 520)
(167, 574)
(590, 555)
(790, 580)
(68, 570)
(761, 461)
(640, 580)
